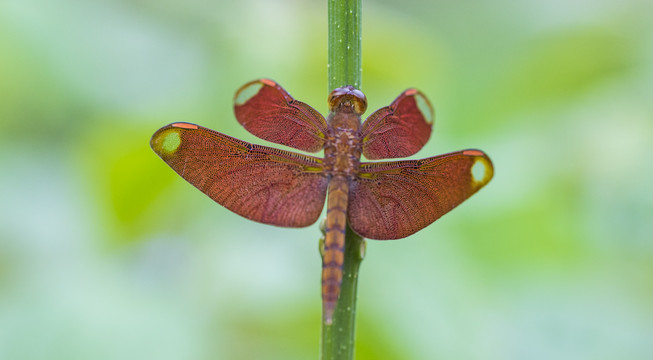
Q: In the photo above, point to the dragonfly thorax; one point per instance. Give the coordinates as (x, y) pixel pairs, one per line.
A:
(342, 150)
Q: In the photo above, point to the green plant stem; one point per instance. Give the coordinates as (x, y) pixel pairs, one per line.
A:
(344, 68)
(344, 63)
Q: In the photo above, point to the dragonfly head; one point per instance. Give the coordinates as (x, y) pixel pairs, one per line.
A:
(347, 98)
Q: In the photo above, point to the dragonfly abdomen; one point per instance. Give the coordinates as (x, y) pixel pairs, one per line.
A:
(334, 244)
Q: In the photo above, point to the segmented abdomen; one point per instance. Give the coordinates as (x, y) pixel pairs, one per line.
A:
(334, 244)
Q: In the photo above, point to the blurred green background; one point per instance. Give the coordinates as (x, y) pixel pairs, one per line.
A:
(105, 253)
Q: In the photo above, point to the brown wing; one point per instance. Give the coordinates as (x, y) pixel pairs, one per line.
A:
(266, 110)
(391, 200)
(260, 183)
(398, 130)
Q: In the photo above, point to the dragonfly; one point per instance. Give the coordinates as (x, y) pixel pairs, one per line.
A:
(378, 200)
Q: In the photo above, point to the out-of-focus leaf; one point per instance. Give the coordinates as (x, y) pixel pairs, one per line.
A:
(125, 176)
(375, 342)
(417, 59)
(543, 234)
(291, 336)
(555, 68)
(32, 101)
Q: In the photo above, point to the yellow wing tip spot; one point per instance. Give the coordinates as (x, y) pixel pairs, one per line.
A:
(166, 142)
(423, 105)
(249, 90)
(482, 170)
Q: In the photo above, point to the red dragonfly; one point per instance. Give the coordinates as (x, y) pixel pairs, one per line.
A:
(379, 200)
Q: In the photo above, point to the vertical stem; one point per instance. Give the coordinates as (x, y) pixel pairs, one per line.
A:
(344, 64)
(344, 68)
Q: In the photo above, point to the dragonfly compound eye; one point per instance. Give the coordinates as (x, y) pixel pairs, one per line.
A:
(348, 96)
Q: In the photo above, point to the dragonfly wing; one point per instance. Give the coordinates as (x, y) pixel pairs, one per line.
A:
(266, 110)
(398, 130)
(264, 184)
(391, 200)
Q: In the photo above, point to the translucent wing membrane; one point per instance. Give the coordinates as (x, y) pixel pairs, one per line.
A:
(398, 130)
(260, 183)
(391, 200)
(266, 110)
